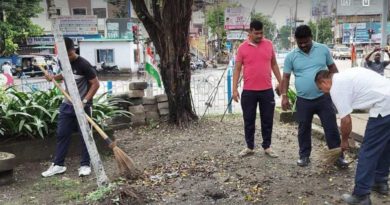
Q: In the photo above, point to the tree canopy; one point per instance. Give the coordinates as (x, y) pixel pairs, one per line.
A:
(284, 35)
(269, 28)
(15, 23)
(325, 34)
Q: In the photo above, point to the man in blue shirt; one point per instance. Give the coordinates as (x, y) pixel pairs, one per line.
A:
(305, 61)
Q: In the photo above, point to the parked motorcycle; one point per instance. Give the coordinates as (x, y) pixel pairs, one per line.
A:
(102, 67)
(198, 64)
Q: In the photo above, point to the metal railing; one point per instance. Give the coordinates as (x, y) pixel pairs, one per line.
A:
(206, 93)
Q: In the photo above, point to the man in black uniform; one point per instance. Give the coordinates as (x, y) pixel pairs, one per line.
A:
(87, 84)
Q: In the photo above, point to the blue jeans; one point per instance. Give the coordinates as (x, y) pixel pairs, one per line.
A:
(249, 101)
(67, 125)
(374, 156)
(323, 107)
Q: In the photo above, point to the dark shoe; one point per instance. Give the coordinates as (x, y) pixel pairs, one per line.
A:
(341, 163)
(381, 188)
(356, 200)
(303, 161)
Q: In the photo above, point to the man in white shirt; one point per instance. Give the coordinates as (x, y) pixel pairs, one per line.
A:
(360, 88)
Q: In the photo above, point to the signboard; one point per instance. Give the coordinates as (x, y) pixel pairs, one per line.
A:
(119, 28)
(236, 35)
(358, 32)
(78, 25)
(49, 40)
(358, 7)
(237, 18)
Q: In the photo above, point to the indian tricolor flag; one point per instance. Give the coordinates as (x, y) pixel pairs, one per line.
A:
(151, 66)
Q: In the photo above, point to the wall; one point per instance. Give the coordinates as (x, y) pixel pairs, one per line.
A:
(43, 18)
(123, 52)
(355, 7)
(80, 4)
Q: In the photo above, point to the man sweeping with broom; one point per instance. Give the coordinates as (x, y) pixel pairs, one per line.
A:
(87, 84)
(360, 88)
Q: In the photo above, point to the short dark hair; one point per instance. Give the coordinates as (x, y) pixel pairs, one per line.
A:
(69, 44)
(303, 31)
(321, 75)
(256, 25)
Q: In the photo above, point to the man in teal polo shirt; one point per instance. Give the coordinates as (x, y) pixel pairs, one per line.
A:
(304, 62)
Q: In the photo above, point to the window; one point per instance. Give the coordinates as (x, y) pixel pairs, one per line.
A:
(100, 12)
(58, 13)
(79, 11)
(105, 55)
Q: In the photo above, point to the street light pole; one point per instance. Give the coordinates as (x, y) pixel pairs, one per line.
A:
(295, 15)
(385, 13)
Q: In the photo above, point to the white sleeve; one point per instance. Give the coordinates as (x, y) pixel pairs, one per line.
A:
(342, 99)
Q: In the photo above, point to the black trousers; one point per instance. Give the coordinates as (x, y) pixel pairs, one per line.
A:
(249, 101)
(67, 125)
(306, 109)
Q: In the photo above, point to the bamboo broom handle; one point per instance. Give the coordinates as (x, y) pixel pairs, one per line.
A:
(90, 120)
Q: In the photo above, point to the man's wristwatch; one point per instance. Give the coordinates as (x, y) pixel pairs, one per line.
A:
(85, 101)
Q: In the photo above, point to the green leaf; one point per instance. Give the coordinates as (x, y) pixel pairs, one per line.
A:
(21, 124)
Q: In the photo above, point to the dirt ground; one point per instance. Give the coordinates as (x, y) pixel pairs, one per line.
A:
(197, 165)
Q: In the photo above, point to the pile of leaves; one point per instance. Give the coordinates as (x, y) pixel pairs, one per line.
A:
(34, 114)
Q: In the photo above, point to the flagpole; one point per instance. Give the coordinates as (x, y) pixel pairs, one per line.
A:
(149, 90)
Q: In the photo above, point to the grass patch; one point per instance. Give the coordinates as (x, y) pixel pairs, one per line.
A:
(66, 190)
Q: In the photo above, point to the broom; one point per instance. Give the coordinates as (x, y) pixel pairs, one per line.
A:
(125, 163)
(329, 157)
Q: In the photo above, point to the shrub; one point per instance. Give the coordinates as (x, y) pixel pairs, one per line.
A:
(34, 114)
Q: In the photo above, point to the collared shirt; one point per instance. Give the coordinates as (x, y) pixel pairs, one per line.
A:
(256, 60)
(360, 88)
(378, 67)
(305, 67)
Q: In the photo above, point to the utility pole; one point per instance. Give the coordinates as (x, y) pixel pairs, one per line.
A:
(385, 13)
(296, 13)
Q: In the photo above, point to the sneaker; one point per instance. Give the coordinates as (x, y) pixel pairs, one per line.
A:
(246, 152)
(269, 152)
(84, 171)
(53, 170)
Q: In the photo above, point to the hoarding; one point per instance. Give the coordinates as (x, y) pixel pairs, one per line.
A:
(78, 25)
(237, 18)
(358, 32)
(49, 40)
(119, 28)
(236, 35)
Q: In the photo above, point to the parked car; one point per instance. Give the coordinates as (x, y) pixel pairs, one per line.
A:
(341, 53)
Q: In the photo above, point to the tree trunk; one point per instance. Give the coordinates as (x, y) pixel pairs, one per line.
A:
(168, 29)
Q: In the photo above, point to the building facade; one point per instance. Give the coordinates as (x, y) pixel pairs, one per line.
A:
(358, 22)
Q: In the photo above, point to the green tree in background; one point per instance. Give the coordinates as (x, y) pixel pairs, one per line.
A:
(15, 23)
(215, 19)
(269, 28)
(284, 35)
(324, 33)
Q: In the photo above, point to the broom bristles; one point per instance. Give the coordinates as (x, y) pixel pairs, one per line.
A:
(329, 157)
(125, 164)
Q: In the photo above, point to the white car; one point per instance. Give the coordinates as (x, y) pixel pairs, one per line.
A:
(341, 53)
